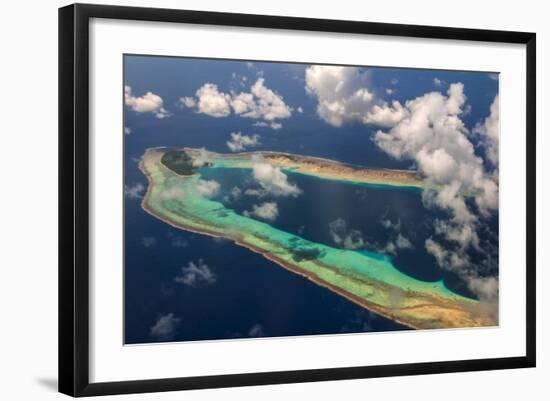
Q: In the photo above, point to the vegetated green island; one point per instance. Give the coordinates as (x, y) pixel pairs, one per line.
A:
(368, 279)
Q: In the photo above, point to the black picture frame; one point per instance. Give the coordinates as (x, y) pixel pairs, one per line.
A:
(74, 198)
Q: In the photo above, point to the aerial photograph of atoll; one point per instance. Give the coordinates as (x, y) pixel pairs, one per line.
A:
(269, 199)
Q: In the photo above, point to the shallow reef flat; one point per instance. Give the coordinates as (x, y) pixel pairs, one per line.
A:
(318, 167)
(368, 279)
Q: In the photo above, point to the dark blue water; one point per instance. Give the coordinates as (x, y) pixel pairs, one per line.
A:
(249, 291)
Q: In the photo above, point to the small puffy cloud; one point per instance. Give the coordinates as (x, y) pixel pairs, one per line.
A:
(402, 242)
(240, 142)
(148, 242)
(234, 194)
(202, 157)
(347, 238)
(196, 274)
(179, 242)
(273, 125)
(267, 211)
(165, 327)
(393, 246)
(457, 260)
(394, 81)
(134, 191)
(438, 82)
(212, 102)
(148, 103)
(489, 132)
(300, 109)
(188, 102)
(387, 223)
(127, 131)
(486, 288)
(172, 192)
(208, 188)
(272, 180)
(260, 103)
(256, 331)
(389, 91)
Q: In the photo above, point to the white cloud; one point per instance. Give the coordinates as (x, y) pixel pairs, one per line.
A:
(457, 260)
(208, 188)
(394, 81)
(385, 115)
(273, 125)
(256, 331)
(148, 242)
(202, 157)
(234, 194)
(448, 259)
(212, 102)
(266, 211)
(387, 223)
(486, 288)
(240, 142)
(259, 192)
(341, 93)
(347, 238)
(353, 239)
(134, 191)
(127, 131)
(300, 109)
(390, 91)
(434, 136)
(148, 103)
(438, 82)
(177, 241)
(343, 96)
(196, 273)
(243, 103)
(188, 102)
(402, 242)
(489, 131)
(272, 180)
(165, 326)
(260, 103)
(172, 192)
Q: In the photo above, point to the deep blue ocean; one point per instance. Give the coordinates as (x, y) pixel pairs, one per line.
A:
(252, 296)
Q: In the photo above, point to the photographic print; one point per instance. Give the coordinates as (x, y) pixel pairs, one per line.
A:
(275, 199)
